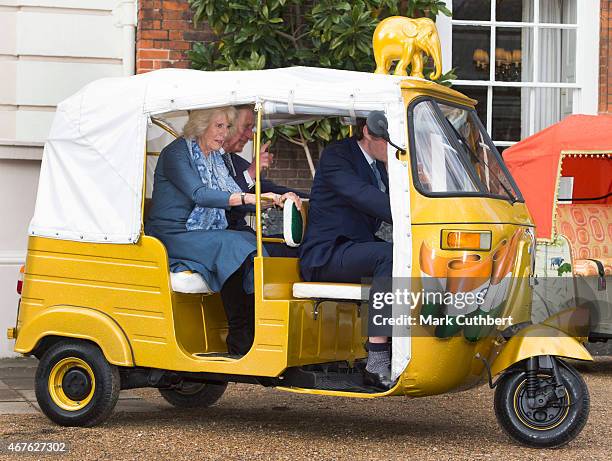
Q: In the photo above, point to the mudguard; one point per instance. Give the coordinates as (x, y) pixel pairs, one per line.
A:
(538, 340)
(76, 322)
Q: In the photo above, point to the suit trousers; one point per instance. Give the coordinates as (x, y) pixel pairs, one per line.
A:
(352, 262)
(240, 312)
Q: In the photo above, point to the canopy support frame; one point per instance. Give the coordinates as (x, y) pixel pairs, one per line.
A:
(257, 148)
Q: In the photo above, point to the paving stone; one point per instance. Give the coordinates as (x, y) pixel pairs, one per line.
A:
(19, 383)
(16, 408)
(9, 395)
(29, 395)
(17, 372)
(19, 362)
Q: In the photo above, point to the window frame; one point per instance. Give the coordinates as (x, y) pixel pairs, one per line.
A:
(442, 121)
(585, 89)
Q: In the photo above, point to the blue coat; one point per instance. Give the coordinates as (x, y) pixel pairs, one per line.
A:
(346, 204)
(236, 216)
(216, 254)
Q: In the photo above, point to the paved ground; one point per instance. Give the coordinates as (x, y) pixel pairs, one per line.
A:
(257, 423)
(17, 391)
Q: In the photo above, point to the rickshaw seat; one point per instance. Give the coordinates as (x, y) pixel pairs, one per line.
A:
(586, 228)
(293, 231)
(294, 225)
(322, 290)
(189, 282)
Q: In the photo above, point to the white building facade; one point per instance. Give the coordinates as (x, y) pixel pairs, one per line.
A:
(48, 50)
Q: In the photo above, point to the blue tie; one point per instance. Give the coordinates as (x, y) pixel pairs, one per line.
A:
(381, 184)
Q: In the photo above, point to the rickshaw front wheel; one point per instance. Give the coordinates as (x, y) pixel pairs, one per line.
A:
(543, 425)
(189, 394)
(75, 385)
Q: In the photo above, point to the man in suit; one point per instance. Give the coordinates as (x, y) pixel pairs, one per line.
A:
(348, 201)
(243, 172)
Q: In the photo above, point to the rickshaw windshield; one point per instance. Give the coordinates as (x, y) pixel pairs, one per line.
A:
(453, 155)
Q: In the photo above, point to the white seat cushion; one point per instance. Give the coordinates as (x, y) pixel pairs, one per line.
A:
(188, 282)
(319, 290)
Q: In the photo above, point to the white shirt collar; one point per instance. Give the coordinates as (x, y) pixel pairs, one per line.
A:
(367, 156)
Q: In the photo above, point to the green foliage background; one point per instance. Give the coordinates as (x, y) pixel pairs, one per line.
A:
(263, 34)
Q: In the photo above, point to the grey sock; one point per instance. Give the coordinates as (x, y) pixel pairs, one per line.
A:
(378, 361)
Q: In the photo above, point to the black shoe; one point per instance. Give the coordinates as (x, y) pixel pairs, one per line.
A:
(381, 381)
(239, 344)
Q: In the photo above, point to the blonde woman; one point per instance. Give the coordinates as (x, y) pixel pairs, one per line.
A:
(192, 192)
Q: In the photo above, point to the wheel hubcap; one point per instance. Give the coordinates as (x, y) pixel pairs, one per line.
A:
(190, 388)
(76, 384)
(545, 417)
(71, 384)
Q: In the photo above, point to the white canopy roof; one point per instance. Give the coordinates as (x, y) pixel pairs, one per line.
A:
(91, 179)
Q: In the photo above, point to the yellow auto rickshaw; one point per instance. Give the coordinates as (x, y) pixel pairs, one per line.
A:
(101, 311)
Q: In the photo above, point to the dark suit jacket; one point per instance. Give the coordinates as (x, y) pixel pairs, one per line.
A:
(346, 204)
(236, 217)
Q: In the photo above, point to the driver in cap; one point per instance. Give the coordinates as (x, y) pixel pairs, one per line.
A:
(348, 202)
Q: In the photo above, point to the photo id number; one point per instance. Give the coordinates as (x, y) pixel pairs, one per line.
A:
(14, 447)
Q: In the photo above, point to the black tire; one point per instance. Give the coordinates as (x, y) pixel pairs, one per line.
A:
(86, 386)
(564, 419)
(193, 395)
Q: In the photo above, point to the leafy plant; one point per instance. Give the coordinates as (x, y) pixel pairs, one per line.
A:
(564, 268)
(263, 34)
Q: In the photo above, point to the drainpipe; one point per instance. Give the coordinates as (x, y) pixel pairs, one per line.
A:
(125, 13)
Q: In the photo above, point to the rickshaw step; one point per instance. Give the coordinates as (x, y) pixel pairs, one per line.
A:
(223, 355)
(343, 383)
(329, 377)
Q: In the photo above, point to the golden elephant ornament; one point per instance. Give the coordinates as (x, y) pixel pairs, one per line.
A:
(402, 39)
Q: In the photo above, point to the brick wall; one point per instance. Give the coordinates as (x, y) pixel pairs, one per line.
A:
(165, 33)
(290, 166)
(605, 58)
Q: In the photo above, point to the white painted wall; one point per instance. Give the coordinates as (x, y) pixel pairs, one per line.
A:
(18, 181)
(49, 49)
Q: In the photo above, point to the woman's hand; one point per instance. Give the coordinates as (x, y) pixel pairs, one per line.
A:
(268, 199)
(279, 200)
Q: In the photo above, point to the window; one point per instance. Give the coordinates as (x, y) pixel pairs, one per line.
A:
(453, 154)
(439, 165)
(518, 59)
(481, 155)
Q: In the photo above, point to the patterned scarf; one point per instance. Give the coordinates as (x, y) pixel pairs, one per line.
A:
(214, 175)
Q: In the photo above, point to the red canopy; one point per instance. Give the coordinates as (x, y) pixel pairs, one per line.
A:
(536, 163)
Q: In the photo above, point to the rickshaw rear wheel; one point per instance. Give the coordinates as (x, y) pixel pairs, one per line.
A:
(190, 394)
(75, 385)
(552, 425)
